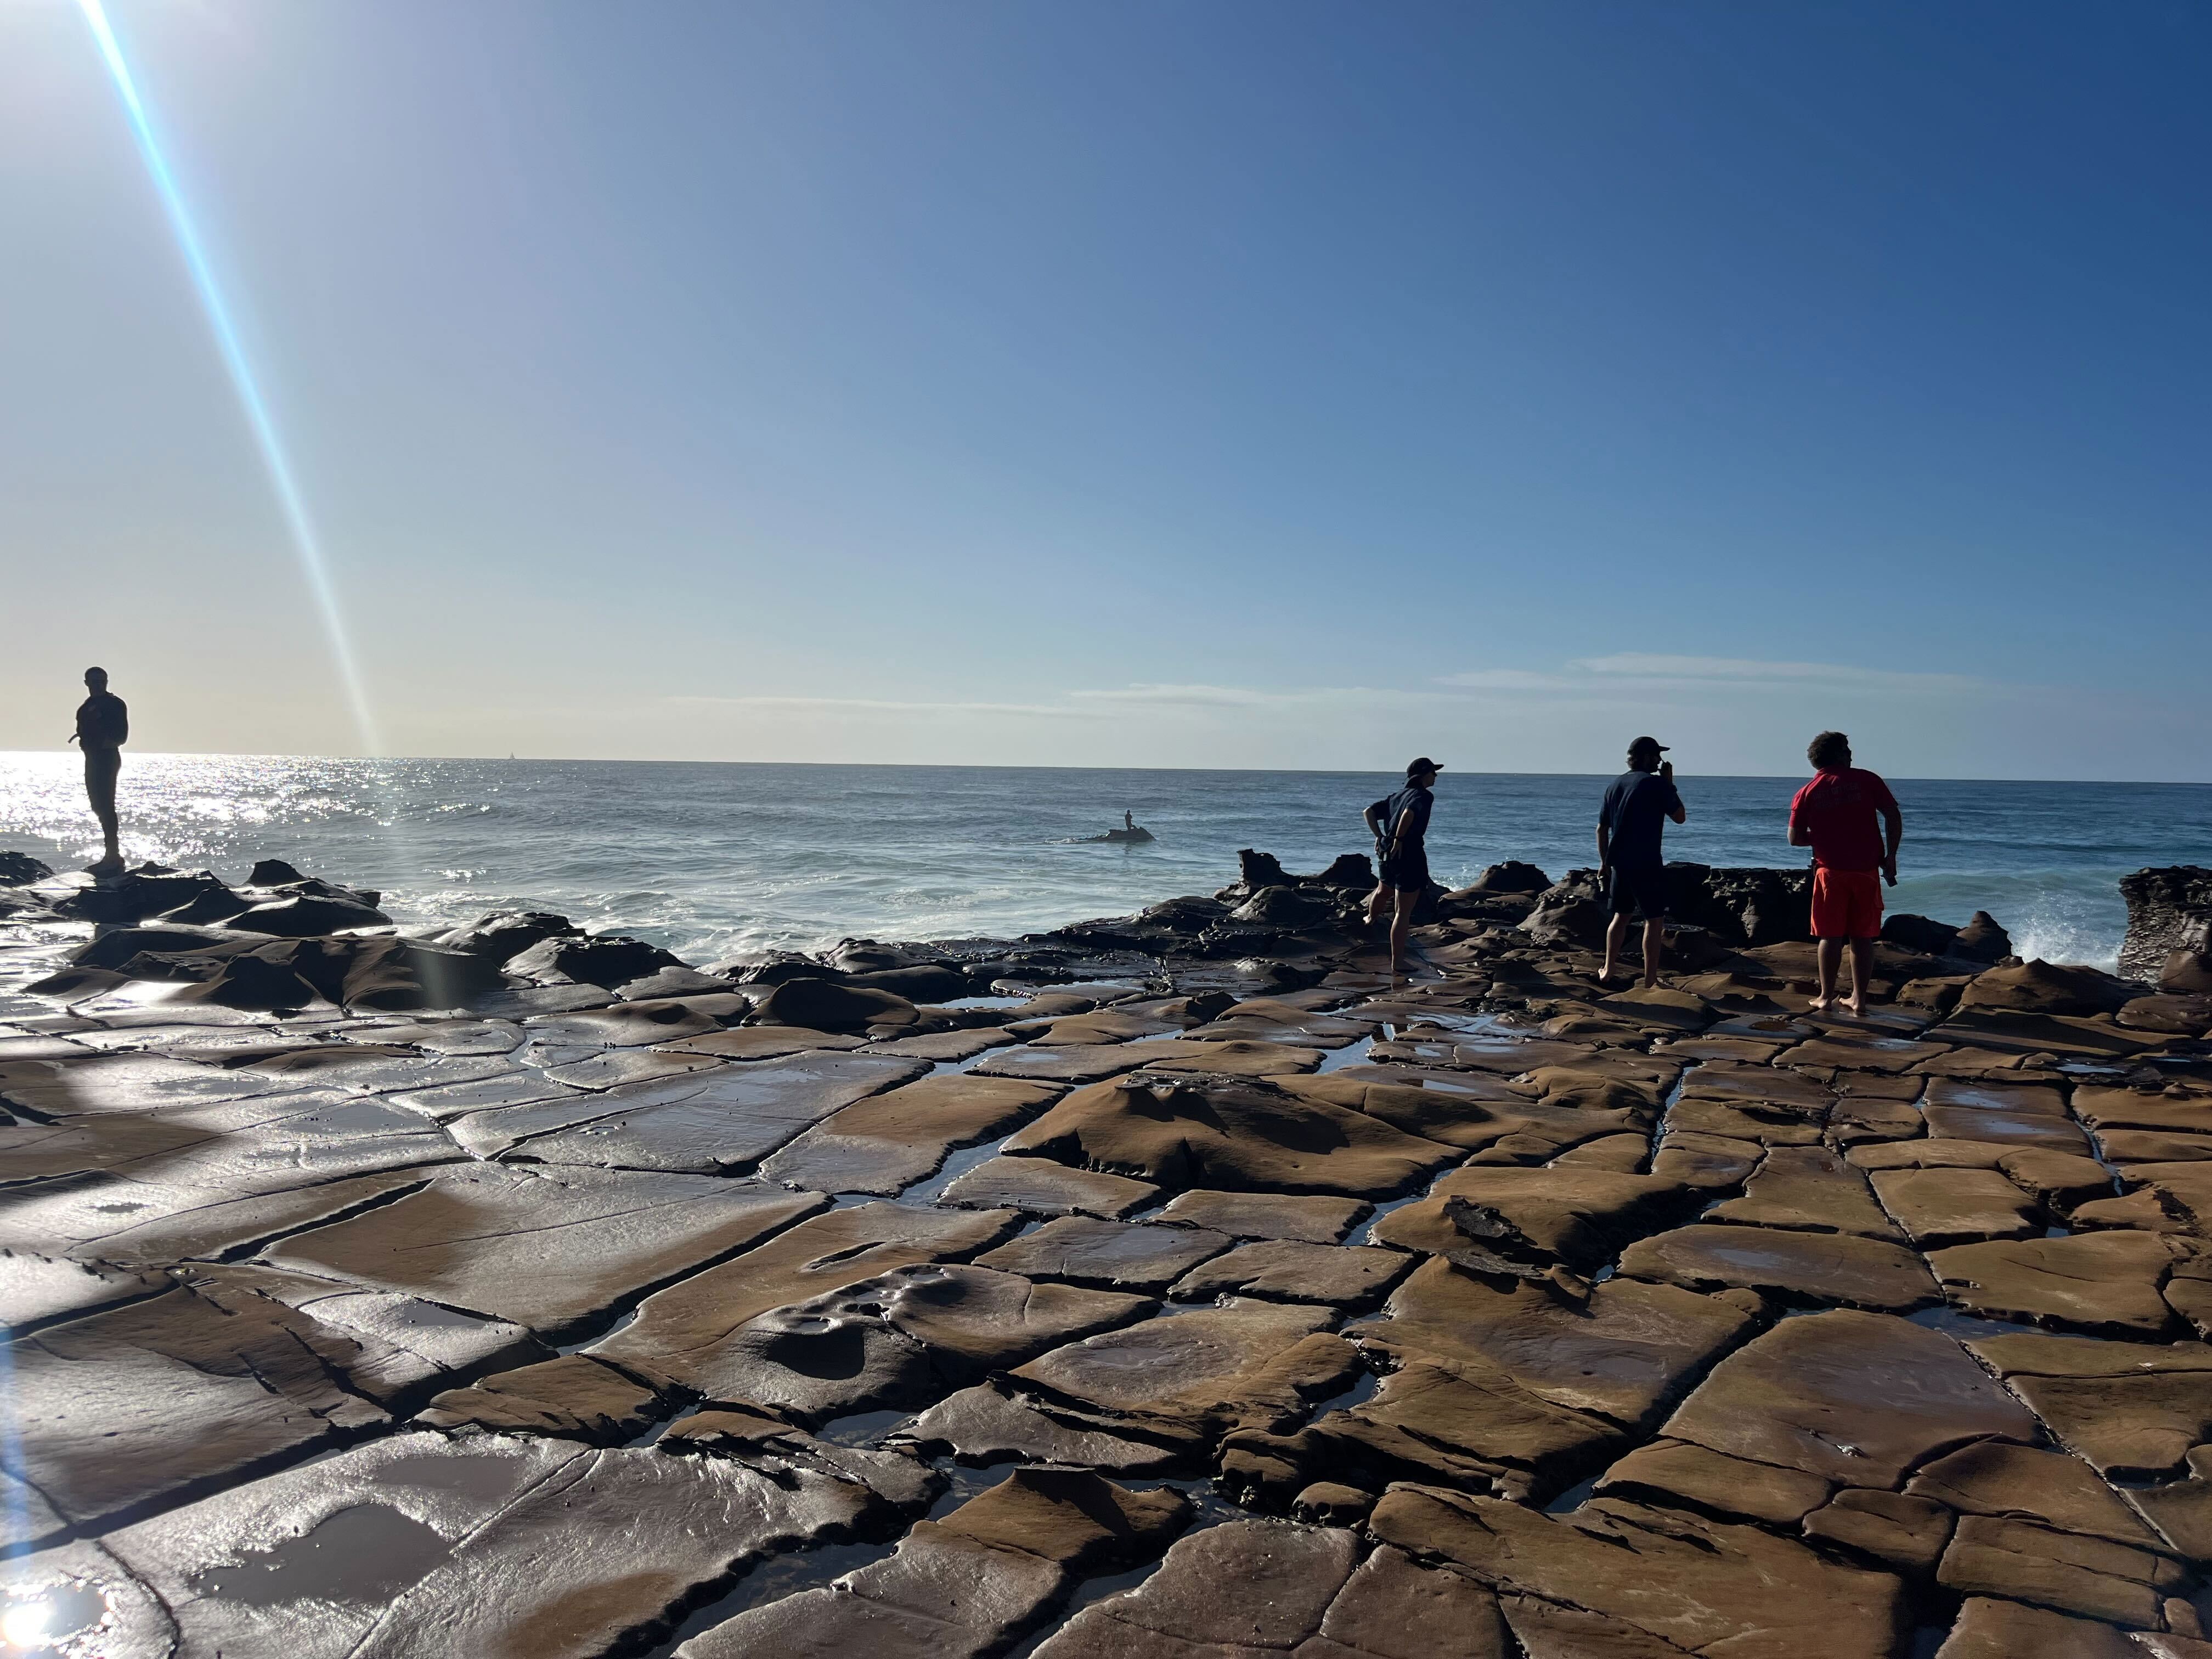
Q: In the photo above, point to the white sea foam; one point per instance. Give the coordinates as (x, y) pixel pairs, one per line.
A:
(716, 860)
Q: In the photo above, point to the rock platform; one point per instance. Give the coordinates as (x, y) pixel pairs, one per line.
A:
(1173, 1286)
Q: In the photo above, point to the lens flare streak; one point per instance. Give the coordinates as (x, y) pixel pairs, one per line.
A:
(248, 388)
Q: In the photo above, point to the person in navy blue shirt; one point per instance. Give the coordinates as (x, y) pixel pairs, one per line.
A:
(1629, 828)
(1399, 824)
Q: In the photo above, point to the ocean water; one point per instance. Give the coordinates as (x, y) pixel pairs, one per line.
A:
(715, 859)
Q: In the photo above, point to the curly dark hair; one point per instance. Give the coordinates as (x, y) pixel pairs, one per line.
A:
(1830, 748)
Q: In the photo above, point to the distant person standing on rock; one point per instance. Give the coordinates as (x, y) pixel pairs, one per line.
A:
(1630, 863)
(1834, 815)
(103, 727)
(1399, 824)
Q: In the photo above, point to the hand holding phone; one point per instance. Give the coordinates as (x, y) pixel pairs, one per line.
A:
(1666, 770)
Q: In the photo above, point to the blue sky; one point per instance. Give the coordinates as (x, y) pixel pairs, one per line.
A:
(1217, 384)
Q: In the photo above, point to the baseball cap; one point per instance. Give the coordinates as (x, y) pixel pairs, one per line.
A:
(1414, 768)
(1647, 746)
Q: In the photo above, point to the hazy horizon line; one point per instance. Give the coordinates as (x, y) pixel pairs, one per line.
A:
(997, 766)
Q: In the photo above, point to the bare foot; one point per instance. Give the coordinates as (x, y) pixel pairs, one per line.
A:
(1821, 1004)
(1650, 984)
(1854, 1008)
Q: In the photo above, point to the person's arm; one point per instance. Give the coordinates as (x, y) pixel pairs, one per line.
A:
(122, 722)
(1373, 819)
(1676, 810)
(1604, 850)
(1800, 832)
(1893, 832)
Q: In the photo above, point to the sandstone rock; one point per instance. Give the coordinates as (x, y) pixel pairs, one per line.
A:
(719, 1120)
(2040, 988)
(605, 960)
(2132, 1409)
(142, 893)
(1939, 1206)
(1239, 1135)
(887, 1142)
(1250, 1586)
(411, 1545)
(1110, 1255)
(965, 1585)
(2008, 1482)
(1583, 1216)
(1282, 1270)
(1312, 1219)
(2181, 1510)
(823, 1005)
(2105, 1282)
(683, 1330)
(1702, 1586)
(1295, 908)
(1989, 1629)
(1982, 940)
(153, 1399)
(1906, 1535)
(769, 1042)
(1207, 1370)
(21, 870)
(1675, 1472)
(1859, 1273)
(1810, 1188)
(2064, 1571)
(306, 914)
(904, 1338)
(2168, 910)
(1856, 1398)
(573, 1395)
(1043, 1188)
(1624, 1352)
(2058, 1179)
(994, 1422)
(555, 1251)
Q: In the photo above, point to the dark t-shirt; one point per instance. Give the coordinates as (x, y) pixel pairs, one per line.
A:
(102, 721)
(1634, 815)
(1839, 810)
(1411, 804)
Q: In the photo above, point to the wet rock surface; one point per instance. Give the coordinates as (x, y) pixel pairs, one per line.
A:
(523, 1291)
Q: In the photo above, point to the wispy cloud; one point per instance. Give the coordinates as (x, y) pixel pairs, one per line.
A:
(887, 706)
(1235, 696)
(1650, 672)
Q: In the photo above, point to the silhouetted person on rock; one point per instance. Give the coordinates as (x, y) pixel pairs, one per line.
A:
(103, 727)
(1399, 824)
(1834, 815)
(1630, 826)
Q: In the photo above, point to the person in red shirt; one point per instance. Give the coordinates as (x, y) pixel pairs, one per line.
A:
(1834, 815)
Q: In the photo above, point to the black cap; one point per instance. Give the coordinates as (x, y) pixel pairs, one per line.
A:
(1647, 746)
(1414, 768)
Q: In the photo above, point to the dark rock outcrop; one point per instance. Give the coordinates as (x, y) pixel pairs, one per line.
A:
(307, 916)
(272, 873)
(1510, 877)
(2168, 910)
(505, 934)
(605, 960)
(1746, 906)
(143, 892)
(21, 870)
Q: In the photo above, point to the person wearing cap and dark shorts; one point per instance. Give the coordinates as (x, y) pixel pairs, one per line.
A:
(1834, 815)
(1630, 826)
(103, 727)
(1399, 824)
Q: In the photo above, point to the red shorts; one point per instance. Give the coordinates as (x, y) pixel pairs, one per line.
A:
(1846, 903)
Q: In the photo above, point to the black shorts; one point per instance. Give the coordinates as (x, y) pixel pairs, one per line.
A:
(1408, 871)
(1643, 891)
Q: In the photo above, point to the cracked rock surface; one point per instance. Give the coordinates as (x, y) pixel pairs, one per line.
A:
(1178, 1285)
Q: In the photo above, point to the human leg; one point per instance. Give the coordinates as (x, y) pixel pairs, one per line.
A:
(1861, 973)
(1655, 948)
(100, 768)
(1615, 931)
(1829, 957)
(1401, 924)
